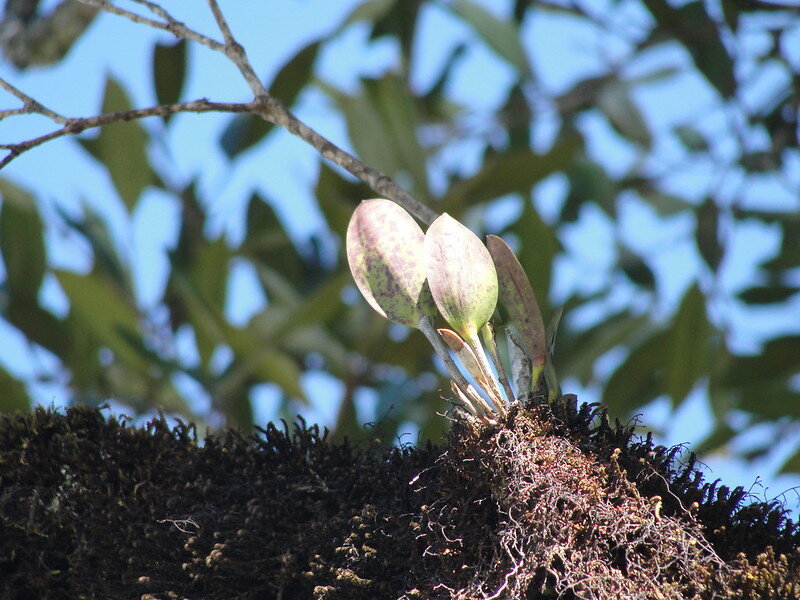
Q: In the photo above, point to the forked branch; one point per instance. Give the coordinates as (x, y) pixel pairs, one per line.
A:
(263, 104)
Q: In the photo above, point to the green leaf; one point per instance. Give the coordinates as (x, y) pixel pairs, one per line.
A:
(693, 140)
(519, 301)
(639, 378)
(768, 294)
(697, 31)
(371, 11)
(771, 400)
(105, 313)
(393, 101)
(502, 36)
(779, 358)
(266, 240)
(688, 345)
(94, 229)
(461, 276)
(244, 131)
(707, 234)
(636, 269)
(623, 114)
(169, 72)
(788, 256)
(578, 359)
(338, 197)
(515, 172)
(13, 395)
(539, 246)
(204, 291)
(122, 148)
(366, 129)
(387, 257)
(588, 181)
(21, 243)
(39, 326)
(209, 274)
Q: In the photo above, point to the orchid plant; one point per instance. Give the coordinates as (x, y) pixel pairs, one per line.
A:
(409, 276)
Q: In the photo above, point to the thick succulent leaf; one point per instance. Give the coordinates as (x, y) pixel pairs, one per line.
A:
(385, 250)
(461, 275)
(519, 300)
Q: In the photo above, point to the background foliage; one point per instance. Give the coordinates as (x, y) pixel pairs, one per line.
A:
(641, 322)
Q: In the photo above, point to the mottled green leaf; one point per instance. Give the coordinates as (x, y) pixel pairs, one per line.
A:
(519, 301)
(13, 395)
(500, 35)
(461, 276)
(122, 148)
(169, 71)
(688, 345)
(244, 131)
(21, 242)
(386, 254)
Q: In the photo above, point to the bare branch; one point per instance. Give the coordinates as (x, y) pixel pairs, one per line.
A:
(31, 106)
(79, 125)
(263, 104)
(169, 24)
(236, 53)
(275, 112)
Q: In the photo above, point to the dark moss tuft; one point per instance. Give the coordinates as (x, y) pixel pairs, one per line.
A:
(556, 503)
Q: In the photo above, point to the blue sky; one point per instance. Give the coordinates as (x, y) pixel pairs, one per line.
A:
(63, 174)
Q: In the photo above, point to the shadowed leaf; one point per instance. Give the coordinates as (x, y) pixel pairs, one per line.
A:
(21, 243)
(244, 131)
(519, 301)
(502, 36)
(688, 345)
(169, 72)
(122, 148)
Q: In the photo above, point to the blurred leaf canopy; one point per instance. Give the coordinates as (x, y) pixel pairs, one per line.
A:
(540, 176)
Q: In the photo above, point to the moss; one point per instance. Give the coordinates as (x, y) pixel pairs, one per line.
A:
(554, 503)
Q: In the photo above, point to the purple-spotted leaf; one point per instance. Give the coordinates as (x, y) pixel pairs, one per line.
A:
(385, 249)
(461, 276)
(519, 300)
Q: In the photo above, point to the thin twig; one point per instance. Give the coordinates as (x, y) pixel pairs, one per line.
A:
(76, 126)
(263, 104)
(171, 25)
(31, 105)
